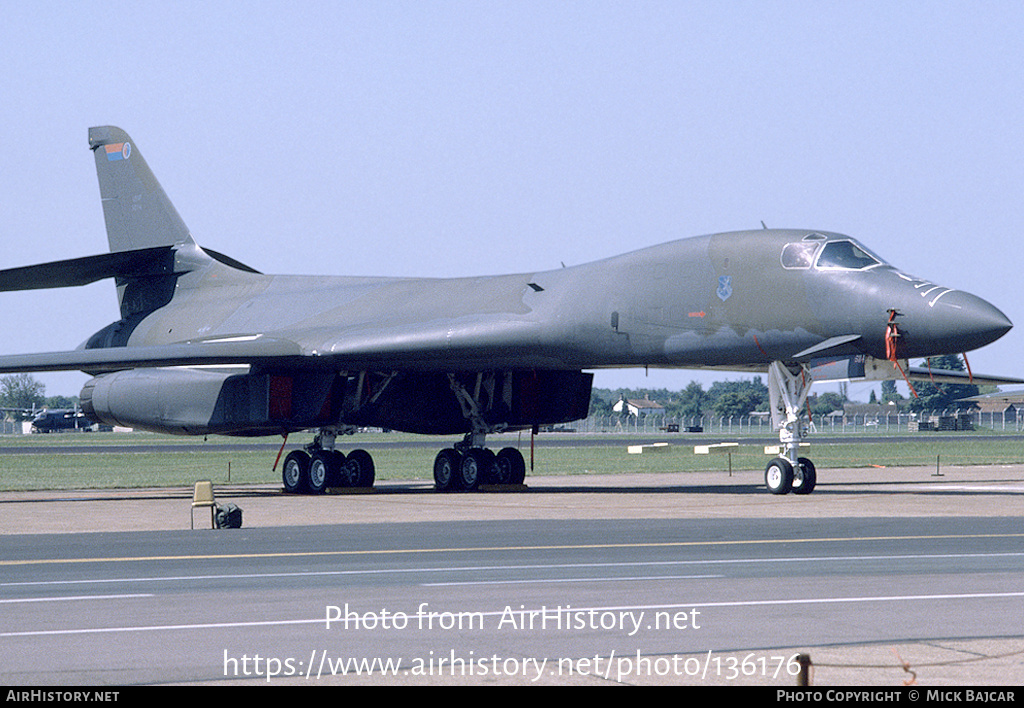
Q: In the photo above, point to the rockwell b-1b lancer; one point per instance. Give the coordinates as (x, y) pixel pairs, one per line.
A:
(208, 345)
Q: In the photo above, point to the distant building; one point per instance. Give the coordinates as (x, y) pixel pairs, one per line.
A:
(866, 413)
(851, 410)
(1005, 402)
(638, 407)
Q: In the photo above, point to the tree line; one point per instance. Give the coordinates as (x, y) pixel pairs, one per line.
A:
(20, 394)
(738, 399)
(723, 399)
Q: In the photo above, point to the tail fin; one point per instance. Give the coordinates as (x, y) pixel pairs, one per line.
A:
(138, 213)
(152, 254)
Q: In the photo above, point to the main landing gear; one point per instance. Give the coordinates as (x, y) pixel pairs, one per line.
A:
(319, 466)
(464, 467)
(788, 391)
(469, 464)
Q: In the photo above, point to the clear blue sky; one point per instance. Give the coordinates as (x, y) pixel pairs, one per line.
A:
(469, 138)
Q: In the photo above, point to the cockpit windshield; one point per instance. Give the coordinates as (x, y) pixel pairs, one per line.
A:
(846, 255)
(799, 256)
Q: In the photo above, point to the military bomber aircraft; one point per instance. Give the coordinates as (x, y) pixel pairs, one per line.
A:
(207, 345)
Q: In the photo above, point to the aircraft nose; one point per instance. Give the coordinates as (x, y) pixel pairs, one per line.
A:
(959, 322)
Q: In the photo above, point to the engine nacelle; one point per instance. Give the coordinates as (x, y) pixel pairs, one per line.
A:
(186, 401)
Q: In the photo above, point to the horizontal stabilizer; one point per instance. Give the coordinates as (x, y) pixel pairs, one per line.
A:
(236, 350)
(82, 271)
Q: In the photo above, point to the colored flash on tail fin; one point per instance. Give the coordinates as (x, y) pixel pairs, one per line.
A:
(118, 151)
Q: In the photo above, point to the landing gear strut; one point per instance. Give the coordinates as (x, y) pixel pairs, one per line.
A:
(485, 401)
(469, 464)
(788, 391)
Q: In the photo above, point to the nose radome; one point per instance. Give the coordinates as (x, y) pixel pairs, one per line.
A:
(959, 321)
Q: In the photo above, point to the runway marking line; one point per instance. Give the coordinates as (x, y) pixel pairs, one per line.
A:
(542, 581)
(666, 606)
(568, 547)
(16, 600)
(516, 567)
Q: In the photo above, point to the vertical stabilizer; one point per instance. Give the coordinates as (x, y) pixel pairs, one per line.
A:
(138, 213)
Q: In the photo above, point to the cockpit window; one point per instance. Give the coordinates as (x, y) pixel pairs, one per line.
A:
(799, 255)
(846, 255)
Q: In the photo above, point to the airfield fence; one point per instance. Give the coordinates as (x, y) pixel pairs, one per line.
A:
(1010, 422)
(760, 424)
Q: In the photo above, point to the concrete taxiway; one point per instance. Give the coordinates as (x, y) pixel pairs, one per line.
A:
(867, 492)
(914, 510)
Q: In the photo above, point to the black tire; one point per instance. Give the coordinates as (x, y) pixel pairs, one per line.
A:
(321, 463)
(446, 466)
(805, 477)
(335, 477)
(509, 467)
(295, 472)
(778, 476)
(477, 466)
(359, 469)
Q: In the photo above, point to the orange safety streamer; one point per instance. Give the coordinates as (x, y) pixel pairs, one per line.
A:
(892, 335)
(278, 458)
(970, 375)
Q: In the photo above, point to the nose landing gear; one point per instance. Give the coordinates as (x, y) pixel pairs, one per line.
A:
(782, 477)
(788, 391)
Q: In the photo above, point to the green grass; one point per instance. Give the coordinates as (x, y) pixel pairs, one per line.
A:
(64, 469)
(751, 456)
